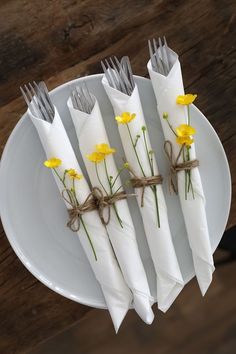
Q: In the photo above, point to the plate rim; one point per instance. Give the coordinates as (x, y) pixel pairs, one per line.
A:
(9, 232)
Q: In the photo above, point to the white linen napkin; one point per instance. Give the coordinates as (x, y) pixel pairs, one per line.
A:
(169, 278)
(166, 89)
(90, 131)
(117, 295)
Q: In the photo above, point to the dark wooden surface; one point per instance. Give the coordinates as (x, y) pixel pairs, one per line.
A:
(59, 40)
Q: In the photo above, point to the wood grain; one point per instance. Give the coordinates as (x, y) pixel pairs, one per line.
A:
(60, 40)
(192, 325)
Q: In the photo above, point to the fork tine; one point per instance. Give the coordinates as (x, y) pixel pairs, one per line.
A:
(167, 53)
(37, 98)
(112, 75)
(123, 73)
(158, 59)
(30, 101)
(44, 89)
(126, 61)
(91, 98)
(125, 76)
(156, 54)
(82, 98)
(44, 99)
(118, 74)
(30, 106)
(40, 105)
(152, 55)
(34, 103)
(161, 56)
(74, 102)
(106, 74)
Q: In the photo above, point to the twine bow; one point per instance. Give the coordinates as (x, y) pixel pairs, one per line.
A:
(175, 167)
(95, 200)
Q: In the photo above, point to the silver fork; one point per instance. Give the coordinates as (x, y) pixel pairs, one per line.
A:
(119, 74)
(82, 99)
(160, 57)
(38, 100)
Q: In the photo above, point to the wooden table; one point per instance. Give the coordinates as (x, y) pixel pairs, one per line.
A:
(57, 41)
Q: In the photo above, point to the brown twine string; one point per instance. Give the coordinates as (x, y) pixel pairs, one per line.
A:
(175, 167)
(96, 200)
(143, 182)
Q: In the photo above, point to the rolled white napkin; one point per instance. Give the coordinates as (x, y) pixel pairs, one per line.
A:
(117, 295)
(166, 89)
(90, 131)
(169, 278)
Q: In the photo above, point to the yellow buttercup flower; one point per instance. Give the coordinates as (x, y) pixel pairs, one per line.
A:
(186, 99)
(96, 157)
(73, 174)
(187, 140)
(185, 130)
(52, 163)
(125, 118)
(105, 149)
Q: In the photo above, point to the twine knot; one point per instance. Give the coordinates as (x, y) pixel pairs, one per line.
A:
(95, 200)
(175, 167)
(143, 182)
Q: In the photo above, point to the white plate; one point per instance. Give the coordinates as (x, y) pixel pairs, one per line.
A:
(34, 214)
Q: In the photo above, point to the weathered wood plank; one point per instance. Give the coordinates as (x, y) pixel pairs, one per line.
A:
(29, 312)
(193, 325)
(35, 47)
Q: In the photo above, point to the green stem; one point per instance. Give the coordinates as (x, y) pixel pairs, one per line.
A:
(117, 190)
(154, 188)
(110, 186)
(87, 234)
(188, 110)
(85, 229)
(148, 155)
(107, 175)
(64, 176)
(171, 128)
(157, 206)
(117, 215)
(136, 154)
(190, 185)
(118, 174)
(185, 177)
(63, 183)
(188, 172)
(99, 180)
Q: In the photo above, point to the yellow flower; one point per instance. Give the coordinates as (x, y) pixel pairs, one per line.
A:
(185, 130)
(52, 163)
(105, 149)
(96, 157)
(126, 165)
(186, 99)
(125, 117)
(187, 140)
(73, 174)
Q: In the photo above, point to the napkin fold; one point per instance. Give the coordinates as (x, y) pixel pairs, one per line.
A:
(90, 131)
(169, 278)
(166, 89)
(118, 297)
